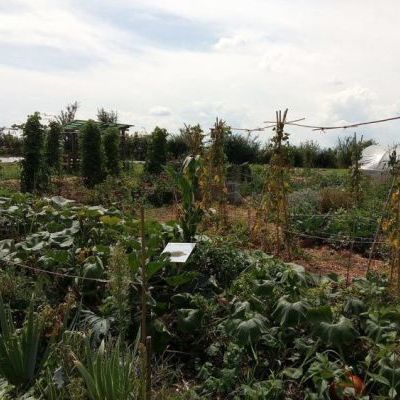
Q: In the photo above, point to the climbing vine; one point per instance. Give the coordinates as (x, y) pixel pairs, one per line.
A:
(391, 226)
(355, 170)
(273, 208)
(213, 176)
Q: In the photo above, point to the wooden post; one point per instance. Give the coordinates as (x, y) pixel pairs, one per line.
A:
(144, 279)
(148, 368)
(145, 341)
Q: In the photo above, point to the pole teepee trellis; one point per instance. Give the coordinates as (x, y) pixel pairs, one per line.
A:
(273, 209)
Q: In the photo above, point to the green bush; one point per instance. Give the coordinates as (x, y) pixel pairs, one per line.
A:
(158, 190)
(91, 155)
(334, 199)
(34, 173)
(137, 146)
(241, 149)
(157, 151)
(177, 147)
(53, 146)
(10, 145)
(111, 142)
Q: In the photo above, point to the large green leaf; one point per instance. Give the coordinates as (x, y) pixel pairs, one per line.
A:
(291, 314)
(320, 314)
(181, 279)
(340, 334)
(189, 319)
(249, 330)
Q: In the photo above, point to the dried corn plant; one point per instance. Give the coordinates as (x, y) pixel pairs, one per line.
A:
(273, 209)
(355, 171)
(213, 175)
(391, 225)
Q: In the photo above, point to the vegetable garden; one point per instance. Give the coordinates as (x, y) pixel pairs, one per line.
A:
(91, 307)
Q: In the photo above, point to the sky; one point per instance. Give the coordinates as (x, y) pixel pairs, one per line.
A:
(170, 62)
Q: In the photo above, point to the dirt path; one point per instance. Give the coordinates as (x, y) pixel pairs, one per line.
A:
(324, 260)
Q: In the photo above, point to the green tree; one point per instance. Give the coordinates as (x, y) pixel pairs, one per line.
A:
(157, 151)
(91, 154)
(68, 115)
(111, 151)
(193, 137)
(34, 174)
(309, 151)
(240, 149)
(53, 146)
(177, 147)
(107, 117)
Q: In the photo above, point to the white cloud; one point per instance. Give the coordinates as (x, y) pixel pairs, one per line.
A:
(327, 61)
(240, 41)
(160, 111)
(351, 105)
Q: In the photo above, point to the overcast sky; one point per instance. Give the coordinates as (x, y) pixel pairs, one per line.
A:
(170, 62)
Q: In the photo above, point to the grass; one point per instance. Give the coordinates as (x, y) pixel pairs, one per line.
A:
(9, 171)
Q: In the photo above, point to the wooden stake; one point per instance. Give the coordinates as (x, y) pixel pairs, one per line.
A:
(148, 368)
(144, 279)
(145, 345)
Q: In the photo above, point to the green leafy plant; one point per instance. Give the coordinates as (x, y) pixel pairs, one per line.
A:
(109, 372)
(187, 182)
(340, 334)
(20, 352)
(291, 314)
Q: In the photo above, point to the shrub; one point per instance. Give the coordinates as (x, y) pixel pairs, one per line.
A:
(193, 137)
(326, 158)
(112, 151)
(158, 190)
(220, 260)
(240, 149)
(334, 199)
(137, 146)
(91, 155)
(157, 151)
(177, 147)
(34, 175)
(53, 146)
(309, 151)
(10, 145)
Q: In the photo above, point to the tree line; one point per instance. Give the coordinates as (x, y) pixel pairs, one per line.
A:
(42, 147)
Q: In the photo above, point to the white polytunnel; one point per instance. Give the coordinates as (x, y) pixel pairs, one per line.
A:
(376, 157)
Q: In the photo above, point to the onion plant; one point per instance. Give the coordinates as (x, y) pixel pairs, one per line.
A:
(19, 349)
(109, 373)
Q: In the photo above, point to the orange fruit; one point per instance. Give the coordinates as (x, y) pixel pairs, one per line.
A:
(351, 381)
